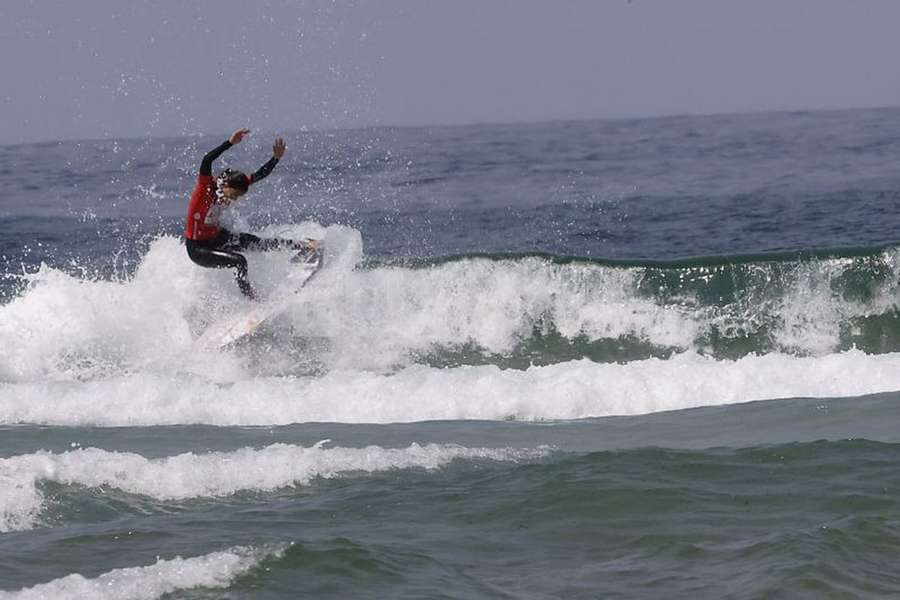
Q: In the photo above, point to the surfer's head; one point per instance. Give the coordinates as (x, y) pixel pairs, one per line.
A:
(232, 184)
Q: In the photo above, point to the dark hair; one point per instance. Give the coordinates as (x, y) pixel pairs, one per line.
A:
(234, 179)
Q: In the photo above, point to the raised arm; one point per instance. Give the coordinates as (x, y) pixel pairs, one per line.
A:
(277, 153)
(206, 163)
(264, 170)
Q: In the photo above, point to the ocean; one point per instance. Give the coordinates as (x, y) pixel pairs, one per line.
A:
(646, 358)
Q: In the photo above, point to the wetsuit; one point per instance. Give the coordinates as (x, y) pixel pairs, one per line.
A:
(210, 245)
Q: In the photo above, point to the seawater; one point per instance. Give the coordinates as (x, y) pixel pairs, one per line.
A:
(644, 358)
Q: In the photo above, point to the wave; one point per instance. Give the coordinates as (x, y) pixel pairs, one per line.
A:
(799, 302)
(512, 311)
(216, 570)
(213, 474)
(571, 390)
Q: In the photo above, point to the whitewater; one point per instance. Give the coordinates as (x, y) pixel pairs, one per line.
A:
(368, 336)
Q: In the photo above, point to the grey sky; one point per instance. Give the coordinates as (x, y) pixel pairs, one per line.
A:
(108, 68)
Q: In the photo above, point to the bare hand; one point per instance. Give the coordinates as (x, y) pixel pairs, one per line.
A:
(278, 148)
(307, 244)
(238, 135)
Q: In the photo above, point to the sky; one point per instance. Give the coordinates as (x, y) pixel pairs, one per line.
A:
(108, 68)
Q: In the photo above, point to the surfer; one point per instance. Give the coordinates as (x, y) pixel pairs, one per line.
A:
(209, 244)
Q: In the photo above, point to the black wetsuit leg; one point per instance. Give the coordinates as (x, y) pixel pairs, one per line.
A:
(221, 253)
(248, 241)
(218, 253)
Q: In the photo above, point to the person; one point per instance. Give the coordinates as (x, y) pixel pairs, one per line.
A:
(211, 245)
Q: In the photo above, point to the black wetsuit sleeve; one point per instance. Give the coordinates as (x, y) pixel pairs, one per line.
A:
(206, 163)
(264, 170)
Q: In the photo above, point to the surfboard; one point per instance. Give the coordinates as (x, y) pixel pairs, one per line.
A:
(218, 335)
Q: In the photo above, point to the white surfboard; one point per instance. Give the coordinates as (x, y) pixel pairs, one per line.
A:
(234, 328)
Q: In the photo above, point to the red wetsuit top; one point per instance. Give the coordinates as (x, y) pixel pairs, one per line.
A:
(204, 207)
(203, 211)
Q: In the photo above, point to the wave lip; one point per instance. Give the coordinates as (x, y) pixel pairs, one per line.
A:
(216, 570)
(214, 474)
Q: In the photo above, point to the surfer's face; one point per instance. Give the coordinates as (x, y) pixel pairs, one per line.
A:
(231, 185)
(229, 193)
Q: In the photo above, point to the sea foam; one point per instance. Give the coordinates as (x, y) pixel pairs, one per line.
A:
(216, 570)
(570, 390)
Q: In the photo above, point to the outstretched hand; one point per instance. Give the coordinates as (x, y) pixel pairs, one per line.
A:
(309, 251)
(306, 244)
(278, 148)
(238, 135)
